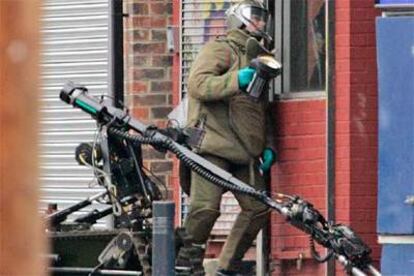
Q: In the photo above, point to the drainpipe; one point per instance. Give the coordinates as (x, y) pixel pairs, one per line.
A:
(330, 125)
(116, 52)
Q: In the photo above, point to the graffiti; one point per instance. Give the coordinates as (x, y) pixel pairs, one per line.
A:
(215, 20)
(201, 22)
(204, 21)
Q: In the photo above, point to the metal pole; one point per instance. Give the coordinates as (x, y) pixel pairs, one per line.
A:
(116, 46)
(330, 121)
(163, 247)
(87, 271)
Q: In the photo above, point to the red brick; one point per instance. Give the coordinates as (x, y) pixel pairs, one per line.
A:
(363, 166)
(343, 4)
(149, 22)
(371, 67)
(343, 65)
(364, 127)
(140, 112)
(363, 27)
(363, 52)
(162, 61)
(171, 21)
(140, 9)
(302, 154)
(161, 8)
(302, 129)
(142, 74)
(149, 99)
(142, 35)
(151, 153)
(147, 48)
(343, 40)
(342, 177)
(160, 112)
(369, 153)
(372, 89)
(342, 15)
(141, 60)
(289, 108)
(362, 4)
(370, 176)
(342, 115)
(310, 193)
(342, 53)
(298, 142)
(158, 22)
(158, 35)
(359, 65)
(289, 243)
(141, 22)
(342, 217)
(343, 140)
(343, 79)
(364, 13)
(161, 86)
(363, 140)
(313, 105)
(342, 152)
(302, 166)
(161, 166)
(364, 202)
(342, 202)
(343, 27)
(362, 215)
(342, 164)
(139, 87)
(304, 116)
(371, 39)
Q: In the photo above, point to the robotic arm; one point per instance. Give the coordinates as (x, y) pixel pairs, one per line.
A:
(341, 242)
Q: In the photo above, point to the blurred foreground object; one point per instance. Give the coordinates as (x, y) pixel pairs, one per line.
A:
(21, 239)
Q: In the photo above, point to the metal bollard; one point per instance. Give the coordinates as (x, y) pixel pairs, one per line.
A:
(163, 247)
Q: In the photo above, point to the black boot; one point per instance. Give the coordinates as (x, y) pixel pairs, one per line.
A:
(190, 255)
(224, 272)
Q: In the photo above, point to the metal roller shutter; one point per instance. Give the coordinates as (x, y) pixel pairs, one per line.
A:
(201, 21)
(75, 46)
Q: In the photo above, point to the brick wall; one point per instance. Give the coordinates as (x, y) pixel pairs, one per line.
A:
(361, 123)
(300, 170)
(149, 77)
(301, 141)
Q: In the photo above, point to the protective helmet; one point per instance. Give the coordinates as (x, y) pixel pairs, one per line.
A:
(246, 13)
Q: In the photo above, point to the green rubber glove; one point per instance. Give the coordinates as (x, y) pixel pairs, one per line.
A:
(268, 158)
(245, 76)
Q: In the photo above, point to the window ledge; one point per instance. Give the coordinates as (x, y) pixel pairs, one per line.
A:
(302, 95)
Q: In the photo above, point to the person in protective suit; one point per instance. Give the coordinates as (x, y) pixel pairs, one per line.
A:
(235, 137)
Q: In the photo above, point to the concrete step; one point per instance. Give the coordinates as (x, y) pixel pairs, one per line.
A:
(248, 267)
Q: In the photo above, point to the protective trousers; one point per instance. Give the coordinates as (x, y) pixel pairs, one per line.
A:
(205, 209)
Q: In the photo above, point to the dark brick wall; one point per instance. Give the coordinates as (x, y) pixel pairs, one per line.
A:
(356, 86)
(149, 72)
(363, 122)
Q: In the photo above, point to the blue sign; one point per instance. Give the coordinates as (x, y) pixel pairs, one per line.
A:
(394, 2)
(395, 52)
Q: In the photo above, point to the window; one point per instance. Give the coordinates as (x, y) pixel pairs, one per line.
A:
(300, 44)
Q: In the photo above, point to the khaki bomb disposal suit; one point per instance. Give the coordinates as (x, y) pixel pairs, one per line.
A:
(235, 136)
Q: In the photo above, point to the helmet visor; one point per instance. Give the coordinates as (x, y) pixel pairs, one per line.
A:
(255, 15)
